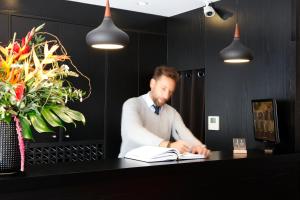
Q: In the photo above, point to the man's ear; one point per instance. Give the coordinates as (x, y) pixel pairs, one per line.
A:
(152, 82)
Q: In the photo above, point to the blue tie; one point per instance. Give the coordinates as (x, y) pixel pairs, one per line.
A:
(156, 109)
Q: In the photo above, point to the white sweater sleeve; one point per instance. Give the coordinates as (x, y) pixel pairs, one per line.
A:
(132, 130)
(181, 132)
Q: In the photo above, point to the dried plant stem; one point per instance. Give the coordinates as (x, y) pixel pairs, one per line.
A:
(64, 51)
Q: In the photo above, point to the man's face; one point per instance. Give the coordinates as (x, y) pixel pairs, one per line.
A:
(162, 89)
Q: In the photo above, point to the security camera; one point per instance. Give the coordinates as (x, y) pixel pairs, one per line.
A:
(208, 10)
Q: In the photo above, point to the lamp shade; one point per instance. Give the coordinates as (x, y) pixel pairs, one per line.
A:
(236, 52)
(107, 35)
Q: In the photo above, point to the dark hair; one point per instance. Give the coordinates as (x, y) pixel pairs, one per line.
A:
(163, 70)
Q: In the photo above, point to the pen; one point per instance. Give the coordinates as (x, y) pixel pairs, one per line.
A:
(179, 138)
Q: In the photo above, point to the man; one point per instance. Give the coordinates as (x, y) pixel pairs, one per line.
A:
(148, 120)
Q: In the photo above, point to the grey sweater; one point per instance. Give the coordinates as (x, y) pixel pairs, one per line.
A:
(141, 126)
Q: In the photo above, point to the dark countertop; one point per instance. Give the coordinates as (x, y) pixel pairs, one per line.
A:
(113, 165)
(108, 175)
(118, 165)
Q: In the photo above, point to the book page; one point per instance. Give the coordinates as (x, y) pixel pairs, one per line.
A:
(152, 154)
(186, 156)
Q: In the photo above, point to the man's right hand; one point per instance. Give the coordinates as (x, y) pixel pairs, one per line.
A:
(181, 146)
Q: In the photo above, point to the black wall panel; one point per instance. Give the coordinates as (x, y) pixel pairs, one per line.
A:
(296, 5)
(152, 53)
(4, 33)
(230, 87)
(22, 25)
(92, 64)
(186, 40)
(122, 83)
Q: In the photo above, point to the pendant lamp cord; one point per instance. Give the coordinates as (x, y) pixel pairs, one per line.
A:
(237, 11)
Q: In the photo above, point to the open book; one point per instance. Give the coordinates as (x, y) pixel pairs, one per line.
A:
(155, 154)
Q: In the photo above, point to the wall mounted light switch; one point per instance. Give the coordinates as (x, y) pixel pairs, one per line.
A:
(214, 123)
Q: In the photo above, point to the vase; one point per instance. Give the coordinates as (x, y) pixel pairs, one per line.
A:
(9, 148)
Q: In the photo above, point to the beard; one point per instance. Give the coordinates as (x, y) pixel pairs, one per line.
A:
(159, 102)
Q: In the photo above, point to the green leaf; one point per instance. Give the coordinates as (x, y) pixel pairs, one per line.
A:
(59, 111)
(38, 123)
(78, 116)
(7, 119)
(51, 118)
(26, 131)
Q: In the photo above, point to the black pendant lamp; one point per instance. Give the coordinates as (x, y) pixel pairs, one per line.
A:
(107, 35)
(236, 52)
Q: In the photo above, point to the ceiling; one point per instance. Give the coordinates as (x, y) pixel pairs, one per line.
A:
(165, 8)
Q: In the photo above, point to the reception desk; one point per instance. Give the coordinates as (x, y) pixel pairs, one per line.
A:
(223, 175)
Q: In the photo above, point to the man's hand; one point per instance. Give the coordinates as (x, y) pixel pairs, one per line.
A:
(181, 146)
(201, 150)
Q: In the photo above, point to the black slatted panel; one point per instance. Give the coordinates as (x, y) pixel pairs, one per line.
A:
(54, 153)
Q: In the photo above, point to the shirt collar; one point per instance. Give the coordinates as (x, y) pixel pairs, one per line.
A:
(150, 102)
(148, 99)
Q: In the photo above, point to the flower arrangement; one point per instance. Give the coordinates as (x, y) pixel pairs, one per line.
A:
(34, 89)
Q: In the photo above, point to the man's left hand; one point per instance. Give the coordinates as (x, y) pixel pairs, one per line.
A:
(201, 150)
